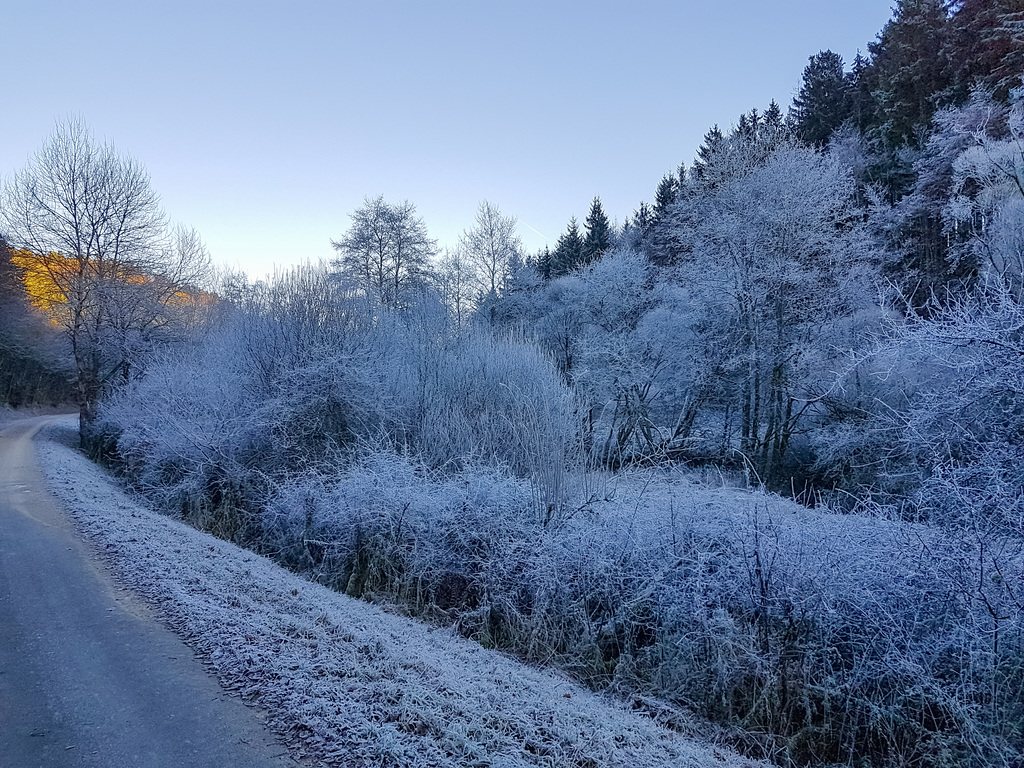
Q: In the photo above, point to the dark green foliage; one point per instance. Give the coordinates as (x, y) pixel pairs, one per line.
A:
(706, 152)
(930, 56)
(911, 62)
(545, 264)
(934, 266)
(599, 233)
(825, 100)
(985, 47)
(568, 254)
(864, 81)
(665, 195)
(772, 119)
(642, 217)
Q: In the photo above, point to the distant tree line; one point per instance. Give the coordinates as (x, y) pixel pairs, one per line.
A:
(32, 367)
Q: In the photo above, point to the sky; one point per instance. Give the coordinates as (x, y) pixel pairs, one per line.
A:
(264, 125)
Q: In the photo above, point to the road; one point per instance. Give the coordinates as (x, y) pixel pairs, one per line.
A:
(88, 676)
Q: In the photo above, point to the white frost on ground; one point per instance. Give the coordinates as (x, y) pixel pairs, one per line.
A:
(341, 680)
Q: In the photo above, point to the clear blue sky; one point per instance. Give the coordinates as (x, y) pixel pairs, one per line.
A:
(264, 124)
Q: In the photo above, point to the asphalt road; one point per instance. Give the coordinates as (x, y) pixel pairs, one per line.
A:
(88, 677)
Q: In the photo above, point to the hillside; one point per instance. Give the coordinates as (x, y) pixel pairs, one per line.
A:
(342, 680)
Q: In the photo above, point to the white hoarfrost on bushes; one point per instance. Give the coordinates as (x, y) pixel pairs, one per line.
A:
(735, 603)
(214, 425)
(344, 682)
(443, 470)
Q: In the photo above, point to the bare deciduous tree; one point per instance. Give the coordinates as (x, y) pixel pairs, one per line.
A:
(455, 280)
(98, 255)
(386, 252)
(490, 246)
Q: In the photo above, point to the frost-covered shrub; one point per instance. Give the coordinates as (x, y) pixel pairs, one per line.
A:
(938, 406)
(394, 457)
(393, 527)
(186, 436)
(302, 377)
(502, 403)
(838, 638)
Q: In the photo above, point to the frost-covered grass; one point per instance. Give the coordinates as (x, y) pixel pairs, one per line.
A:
(342, 680)
(863, 638)
(820, 638)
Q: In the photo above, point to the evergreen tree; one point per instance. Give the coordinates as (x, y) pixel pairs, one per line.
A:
(743, 127)
(825, 99)
(937, 262)
(864, 82)
(643, 218)
(754, 144)
(773, 129)
(599, 233)
(911, 62)
(985, 47)
(545, 264)
(657, 242)
(665, 195)
(713, 143)
(773, 120)
(568, 254)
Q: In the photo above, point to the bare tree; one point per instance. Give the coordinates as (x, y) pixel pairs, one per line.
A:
(456, 280)
(490, 246)
(365, 249)
(386, 252)
(97, 254)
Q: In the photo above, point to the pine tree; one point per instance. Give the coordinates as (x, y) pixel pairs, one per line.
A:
(864, 82)
(743, 127)
(985, 47)
(755, 122)
(643, 218)
(599, 233)
(568, 254)
(825, 100)
(665, 195)
(682, 182)
(773, 129)
(911, 61)
(773, 120)
(545, 264)
(713, 143)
